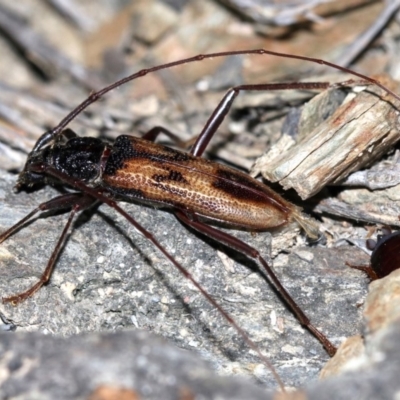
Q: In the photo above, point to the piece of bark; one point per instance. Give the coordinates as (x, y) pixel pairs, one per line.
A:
(377, 207)
(360, 131)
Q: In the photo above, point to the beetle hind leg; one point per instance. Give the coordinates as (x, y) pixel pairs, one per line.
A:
(192, 221)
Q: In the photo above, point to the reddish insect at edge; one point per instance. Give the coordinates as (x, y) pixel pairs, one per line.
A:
(385, 257)
(140, 170)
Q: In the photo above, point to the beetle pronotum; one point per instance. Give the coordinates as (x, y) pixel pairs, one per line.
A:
(193, 188)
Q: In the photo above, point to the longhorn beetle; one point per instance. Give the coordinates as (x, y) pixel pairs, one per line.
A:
(196, 190)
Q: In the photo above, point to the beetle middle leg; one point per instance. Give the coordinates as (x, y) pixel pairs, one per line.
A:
(153, 133)
(222, 109)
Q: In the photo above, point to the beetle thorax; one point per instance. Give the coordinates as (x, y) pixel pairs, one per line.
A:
(79, 158)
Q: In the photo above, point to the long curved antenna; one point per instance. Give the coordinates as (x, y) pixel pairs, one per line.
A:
(97, 95)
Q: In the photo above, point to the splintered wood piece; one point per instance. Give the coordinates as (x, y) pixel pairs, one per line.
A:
(376, 207)
(368, 212)
(363, 128)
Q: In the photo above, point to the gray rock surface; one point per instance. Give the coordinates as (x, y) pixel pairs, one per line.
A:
(35, 366)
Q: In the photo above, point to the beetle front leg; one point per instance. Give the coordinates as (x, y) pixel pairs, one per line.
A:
(78, 202)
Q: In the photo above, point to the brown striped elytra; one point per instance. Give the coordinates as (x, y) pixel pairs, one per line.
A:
(211, 190)
(196, 190)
